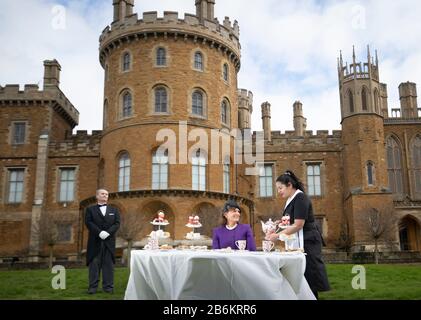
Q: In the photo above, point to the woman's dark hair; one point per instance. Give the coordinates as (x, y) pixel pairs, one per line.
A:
(290, 178)
(227, 206)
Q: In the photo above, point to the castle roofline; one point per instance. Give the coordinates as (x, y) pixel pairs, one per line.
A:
(11, 94)
(224, 37)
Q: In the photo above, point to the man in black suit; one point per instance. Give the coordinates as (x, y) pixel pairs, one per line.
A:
(102, 222)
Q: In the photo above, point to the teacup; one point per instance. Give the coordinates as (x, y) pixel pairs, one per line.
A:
(267, 245)
(241, 244)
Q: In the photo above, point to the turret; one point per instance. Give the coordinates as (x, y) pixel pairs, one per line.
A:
(408, 98)
(51, 74)
(300, 123)
(245, 108)
(122, 9)
(205, 9)
(267, 131)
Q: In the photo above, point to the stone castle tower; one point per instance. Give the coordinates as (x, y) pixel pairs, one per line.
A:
(161, 72)
(364, 155)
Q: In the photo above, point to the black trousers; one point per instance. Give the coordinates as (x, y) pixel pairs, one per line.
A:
(102, 262)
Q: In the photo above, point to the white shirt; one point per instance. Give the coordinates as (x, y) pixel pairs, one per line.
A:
(231, 228)
(103, 210)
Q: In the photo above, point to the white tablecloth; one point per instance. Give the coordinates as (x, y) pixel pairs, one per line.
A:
(215, 275)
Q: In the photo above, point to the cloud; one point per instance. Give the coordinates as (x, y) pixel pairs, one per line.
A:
(289, 49)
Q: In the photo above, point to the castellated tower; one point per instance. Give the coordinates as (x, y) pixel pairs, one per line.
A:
(300, 123)
(245, 108)
(170, 73)
(364, 158)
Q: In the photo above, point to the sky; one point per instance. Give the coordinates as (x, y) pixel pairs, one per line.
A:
(289, 49)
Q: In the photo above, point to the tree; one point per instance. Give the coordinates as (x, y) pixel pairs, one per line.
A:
(345, 241)
(131, 226)
(380, 226)
(209, 218)
(48, 231)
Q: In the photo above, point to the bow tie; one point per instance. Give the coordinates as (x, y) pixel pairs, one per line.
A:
(102, 205)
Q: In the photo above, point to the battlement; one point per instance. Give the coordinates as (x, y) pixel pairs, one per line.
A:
(309, 134)
(79, 144)
(11, 93)
(245, 94)
(223, 36)
(359, 70)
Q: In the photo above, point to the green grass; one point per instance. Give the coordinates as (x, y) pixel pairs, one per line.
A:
(391, 282)
(382, 282)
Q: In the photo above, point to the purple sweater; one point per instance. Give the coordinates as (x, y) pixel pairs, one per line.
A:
(223, 238)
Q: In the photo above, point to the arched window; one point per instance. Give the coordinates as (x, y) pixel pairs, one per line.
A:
(370, 173)
(364, 99)
(127, 109)
(199, 171)
(161, 57)
(351, 101)
(197, 103)
(226, 175)
(124, 172)
(160, 170)
(126, 61)
(198, 61)
(105, 115)
(224, 112)
(416, 162)
(225, 72)
(376, 101)
(161, 100)
(394, 166)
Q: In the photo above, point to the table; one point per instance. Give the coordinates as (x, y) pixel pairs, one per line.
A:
(217, 275)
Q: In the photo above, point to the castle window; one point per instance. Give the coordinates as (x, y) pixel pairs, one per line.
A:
(160, 170)
(124, 173)
(364, 99)
(416, 162)
(370, 174)
(394, 166)
(127, 105)
(376, 101)
(67, 184)
(225, 110)
(198, 61)
(64, 232)
(226, 175)
(126, 62)
(225, 72)
(351, 102)
(15, 185)
(266, 181)
(313, 180)
(199, 171)
(161, 57)
(161, 100)
(18, 132)
(197, 103)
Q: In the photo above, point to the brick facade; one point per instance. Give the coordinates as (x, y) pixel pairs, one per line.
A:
(342, 157)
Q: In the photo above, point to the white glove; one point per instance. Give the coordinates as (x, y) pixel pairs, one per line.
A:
(104, 235)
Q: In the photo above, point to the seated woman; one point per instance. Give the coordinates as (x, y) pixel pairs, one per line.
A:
(230, 230)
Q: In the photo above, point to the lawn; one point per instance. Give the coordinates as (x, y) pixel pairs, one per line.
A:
(382, 282)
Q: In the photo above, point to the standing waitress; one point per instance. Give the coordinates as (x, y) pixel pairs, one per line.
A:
(300, 210)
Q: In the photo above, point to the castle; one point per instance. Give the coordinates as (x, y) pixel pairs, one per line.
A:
(163, 71)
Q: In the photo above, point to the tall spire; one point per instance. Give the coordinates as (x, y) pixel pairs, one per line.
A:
(377, 60)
